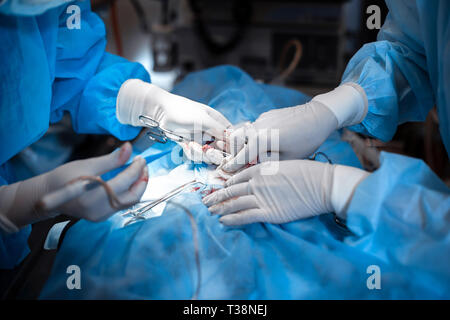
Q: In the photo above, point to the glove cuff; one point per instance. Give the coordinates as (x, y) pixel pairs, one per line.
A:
(136, 98)
(345, 181)
(348, 102)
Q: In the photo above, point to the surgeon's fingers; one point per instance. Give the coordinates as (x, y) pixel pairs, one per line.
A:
(128, 188)
(221, 145)
(212, 127)
(127, 177)
(243, 176)
(134, 194)
(237, 190)
(248, 154)
(237, 162)
(100, 165)
(236, 140)
(219, 117)
(234, 205)
(214, 156)
(194, 152)
(243, 217)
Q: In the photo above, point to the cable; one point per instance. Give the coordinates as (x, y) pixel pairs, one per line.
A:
(314, 156)
(140, 14)
(196, 247)
(116, 29)
(75, 188)
(337, 220)
(284, 74)
(241, 18)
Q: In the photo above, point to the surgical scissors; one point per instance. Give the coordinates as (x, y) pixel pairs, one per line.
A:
(158, 134)
(138, 213)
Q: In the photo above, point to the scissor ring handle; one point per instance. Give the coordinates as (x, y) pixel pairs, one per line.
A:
(161, 135)
(158, 137)
(149, 122)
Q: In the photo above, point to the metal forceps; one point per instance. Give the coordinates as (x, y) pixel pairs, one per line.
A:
(138, 213)
(158, 134)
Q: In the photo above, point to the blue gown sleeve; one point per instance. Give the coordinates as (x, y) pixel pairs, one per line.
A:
(393, 73)
(401, 213)
(87, 79)
(96, 112)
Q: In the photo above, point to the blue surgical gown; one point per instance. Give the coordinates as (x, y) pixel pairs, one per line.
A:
(47, 70)
(407, 71)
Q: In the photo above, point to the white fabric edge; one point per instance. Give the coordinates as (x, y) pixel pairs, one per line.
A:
(348, 102)
(345, 181)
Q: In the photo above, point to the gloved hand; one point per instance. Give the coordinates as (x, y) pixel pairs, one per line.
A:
(284, 191)
(18, 201)
(202, 153)
(296, 132)
(185, 117)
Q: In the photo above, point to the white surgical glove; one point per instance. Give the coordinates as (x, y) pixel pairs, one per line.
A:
(296, 132)
(18, 201)
(206, 153)
(185, 117)
(284, 191)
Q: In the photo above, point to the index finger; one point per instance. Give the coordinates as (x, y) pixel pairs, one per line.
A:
(243, 176)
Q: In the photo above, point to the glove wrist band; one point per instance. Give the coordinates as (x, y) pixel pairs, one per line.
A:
(344, 183)
(136, 98)
(348, 102)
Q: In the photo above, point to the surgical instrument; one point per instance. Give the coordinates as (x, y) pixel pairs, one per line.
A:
(138, 213)
(157, 133)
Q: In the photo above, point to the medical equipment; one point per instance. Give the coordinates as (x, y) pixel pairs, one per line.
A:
(316, 154)
(253, 34)
(139, 213)
(157, 133)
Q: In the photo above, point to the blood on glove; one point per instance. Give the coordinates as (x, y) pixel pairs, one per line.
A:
(206, 153)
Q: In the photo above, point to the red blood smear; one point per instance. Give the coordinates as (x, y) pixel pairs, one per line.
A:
(206, 147)
(208, 192)
(195, 189)
(250, 164)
